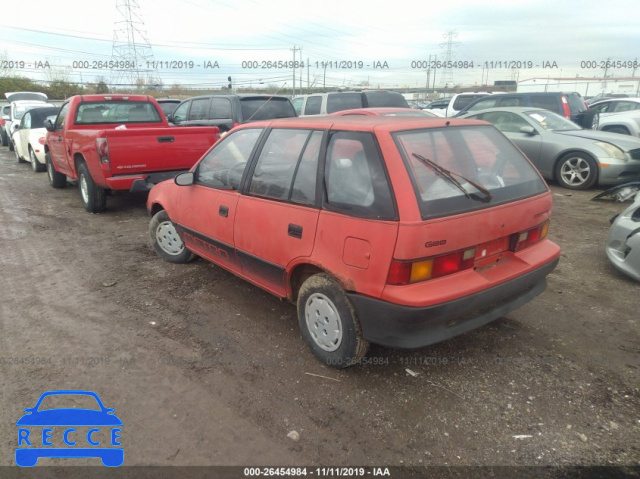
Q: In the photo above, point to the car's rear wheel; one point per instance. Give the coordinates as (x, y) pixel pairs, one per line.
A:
(11, 147)
(576, 171)
(35, 164)
(166, 241)
(94, 198)
(4, 137)
(56, 180)
(329, 323)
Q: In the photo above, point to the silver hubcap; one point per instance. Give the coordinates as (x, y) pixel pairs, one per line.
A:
(168, 239)
(84, 189)
(323, 322)
(575, 171)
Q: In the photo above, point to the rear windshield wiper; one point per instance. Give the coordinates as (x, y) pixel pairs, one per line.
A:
(449, 176)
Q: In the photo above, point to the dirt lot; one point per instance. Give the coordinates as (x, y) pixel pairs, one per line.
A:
(205, 369)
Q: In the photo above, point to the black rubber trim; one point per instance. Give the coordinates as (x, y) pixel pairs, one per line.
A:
(400, 326)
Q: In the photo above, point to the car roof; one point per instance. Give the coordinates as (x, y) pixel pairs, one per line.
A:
(363, 122)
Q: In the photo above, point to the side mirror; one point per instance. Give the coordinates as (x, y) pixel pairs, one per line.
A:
(48, 125)
(184, 179)
(529, 130)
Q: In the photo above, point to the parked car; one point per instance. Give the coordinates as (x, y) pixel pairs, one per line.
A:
(576, 158)
(460, 101)
(168, 105)
(20, 102)
(398, 231)
(604, 96)
(325, 103)
(29, 137)
(570, 105)
(227, 111)
(386, 112)
(118, 142)
(619, 115)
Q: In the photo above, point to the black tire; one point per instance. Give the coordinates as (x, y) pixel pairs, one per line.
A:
(18, 157)
(321, 303)
(618, 129)
(4, 137)
(94, 198)
(590, 120)
(576, 171)
(56, 180)
(10, 145)
(166, 241)
(36, 166)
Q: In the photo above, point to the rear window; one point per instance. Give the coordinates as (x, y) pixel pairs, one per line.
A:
(576, 103)
(546, 102)
(122, 112)
(343, 101)
(267, 108)
(472, 154)
(381, 99)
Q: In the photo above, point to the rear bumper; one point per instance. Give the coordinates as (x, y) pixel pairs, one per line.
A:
(141, 182)
(398, 326)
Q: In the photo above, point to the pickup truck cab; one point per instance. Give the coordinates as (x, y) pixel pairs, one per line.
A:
(118, 142)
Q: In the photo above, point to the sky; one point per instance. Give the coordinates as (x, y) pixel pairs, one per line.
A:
(341, 43)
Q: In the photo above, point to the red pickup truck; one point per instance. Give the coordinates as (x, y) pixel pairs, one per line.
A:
(118, 142)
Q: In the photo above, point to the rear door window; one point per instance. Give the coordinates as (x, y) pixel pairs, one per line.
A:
(471, 154)
(220, 109)
(313, 105)
(546, 102)
(355, 177)
(199, 109)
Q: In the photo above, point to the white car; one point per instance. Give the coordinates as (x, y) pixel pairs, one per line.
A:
(28, 137)
(619, 115)
(20, 102)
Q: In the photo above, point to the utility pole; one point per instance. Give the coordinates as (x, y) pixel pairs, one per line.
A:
(294, 50)
(449, 45)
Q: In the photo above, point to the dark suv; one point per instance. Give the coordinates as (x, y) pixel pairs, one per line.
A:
(227, 111)
(570, 105)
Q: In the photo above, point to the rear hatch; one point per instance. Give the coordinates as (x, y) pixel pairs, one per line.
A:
(25, 95)
(483, 209)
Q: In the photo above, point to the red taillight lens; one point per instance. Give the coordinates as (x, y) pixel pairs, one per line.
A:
(41, 140)
(407, 272)
(520, 241)
(102, 147)
(565, 107)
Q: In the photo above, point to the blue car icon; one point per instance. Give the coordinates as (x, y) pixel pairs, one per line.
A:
(31, 447)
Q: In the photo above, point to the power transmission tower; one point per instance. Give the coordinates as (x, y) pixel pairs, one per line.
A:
(131, 49)
(448, 45)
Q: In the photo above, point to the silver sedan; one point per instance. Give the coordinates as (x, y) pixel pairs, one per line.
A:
(576, 158)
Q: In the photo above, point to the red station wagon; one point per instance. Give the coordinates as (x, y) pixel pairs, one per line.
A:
(401, 231)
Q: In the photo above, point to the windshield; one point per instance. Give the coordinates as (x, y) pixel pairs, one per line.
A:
(551, 121)
(479, 158)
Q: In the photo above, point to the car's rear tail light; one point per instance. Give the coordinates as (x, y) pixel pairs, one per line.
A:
(102, 147)
(520, 241)
(2, 122)
(565, 107)
(41, 140)
(407, 272)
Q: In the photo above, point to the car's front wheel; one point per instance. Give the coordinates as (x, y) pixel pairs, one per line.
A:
(35, 164)
(576, 171)
(166, 241)
(329, 323)
(56, 180)
(591, 119)
(94, 198)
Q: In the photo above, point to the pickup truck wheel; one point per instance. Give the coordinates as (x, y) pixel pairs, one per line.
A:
(166, 241)
(93, 197)
(329, 323)
(56, 180)
(576, 171)
(35, 164)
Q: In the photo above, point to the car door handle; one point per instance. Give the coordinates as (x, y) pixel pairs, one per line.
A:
(223, 211)
(295, 231)
(166, 139)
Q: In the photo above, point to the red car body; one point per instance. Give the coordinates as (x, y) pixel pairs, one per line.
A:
(413, 269)
(123, 141)
(386, 111)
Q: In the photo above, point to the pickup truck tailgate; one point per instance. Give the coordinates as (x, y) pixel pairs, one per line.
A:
(146, 150)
